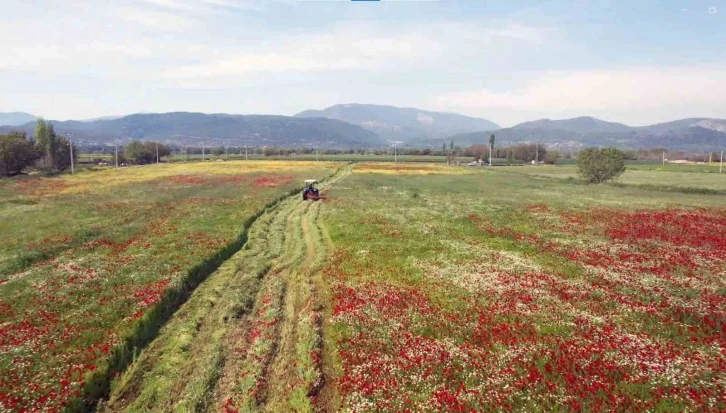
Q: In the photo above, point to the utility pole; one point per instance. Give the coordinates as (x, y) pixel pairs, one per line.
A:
(245, 152)
(157, 153)
(663, 158)
(202, 152)
(536, 156)
(395, 153)
(720, 168)
(226, 153)
(70, 143)
(117, 155)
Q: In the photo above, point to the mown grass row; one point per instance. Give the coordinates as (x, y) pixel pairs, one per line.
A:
(183, 365)
(184, 362)
(97, 385)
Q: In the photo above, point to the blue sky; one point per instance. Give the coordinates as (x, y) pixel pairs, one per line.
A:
(634, 62)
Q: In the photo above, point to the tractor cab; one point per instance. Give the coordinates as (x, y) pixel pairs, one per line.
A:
(310, 191)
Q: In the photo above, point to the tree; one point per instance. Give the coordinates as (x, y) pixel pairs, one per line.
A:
(491, 147)
(218, 150)
(598, 165)
(17, 153)
(451, 145)
(52, 147)
(163, 149)
(443, 148)
(529, 153)
(550, 158)
(46, 140)
(139, 153)
(478, 151)
(63, 153)
(145, 152)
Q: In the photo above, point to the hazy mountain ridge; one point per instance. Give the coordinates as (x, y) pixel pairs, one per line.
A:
(582, 124)
(216, 129)
(395, 123)
(309, 129)
(16, 118)
(692, 134)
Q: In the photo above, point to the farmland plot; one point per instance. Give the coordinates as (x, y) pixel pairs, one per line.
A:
(410, 287)
(84, 258)
(249, 338)
(497, 292)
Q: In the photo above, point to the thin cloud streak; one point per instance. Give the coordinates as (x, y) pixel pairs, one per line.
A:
(639, 90)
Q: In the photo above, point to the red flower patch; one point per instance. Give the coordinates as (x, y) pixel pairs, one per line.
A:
(272, 181)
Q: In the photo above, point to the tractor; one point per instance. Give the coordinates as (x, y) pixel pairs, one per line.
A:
(310, 191)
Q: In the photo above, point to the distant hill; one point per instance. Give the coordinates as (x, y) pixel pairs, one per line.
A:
(583, 124)
(100, 118)
(402, 124)
(217, 129)
(694, 134)
(371, 126)
(16, 118)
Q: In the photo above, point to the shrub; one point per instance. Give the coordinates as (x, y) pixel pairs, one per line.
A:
(598, 165)
(17, 153)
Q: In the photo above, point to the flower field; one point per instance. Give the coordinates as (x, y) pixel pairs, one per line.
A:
(408, 288)
(85, 257)
(489, 291)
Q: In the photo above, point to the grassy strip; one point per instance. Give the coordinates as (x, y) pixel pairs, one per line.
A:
(666, 188)
(97, 384)
(646, 187)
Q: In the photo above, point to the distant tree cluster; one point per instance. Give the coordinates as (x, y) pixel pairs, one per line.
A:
(142, 153)
(517, 153)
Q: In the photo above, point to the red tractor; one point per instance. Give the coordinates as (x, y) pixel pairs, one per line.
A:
(310, 191)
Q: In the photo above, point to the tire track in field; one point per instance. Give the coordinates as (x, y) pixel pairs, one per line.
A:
(249, 338)
(281, 369)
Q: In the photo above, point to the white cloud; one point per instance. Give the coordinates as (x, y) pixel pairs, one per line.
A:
(353, 46)
(215, 5)
(637, 90)
(157, 20)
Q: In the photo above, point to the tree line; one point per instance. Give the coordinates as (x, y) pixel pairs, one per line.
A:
(49, 151)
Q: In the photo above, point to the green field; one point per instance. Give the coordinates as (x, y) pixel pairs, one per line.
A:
(409, 287)
(673, 176)
(493, 291)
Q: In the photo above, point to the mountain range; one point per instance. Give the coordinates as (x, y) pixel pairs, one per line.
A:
(215, 129)
(359, 125)
(402, 124)
(693, 134)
